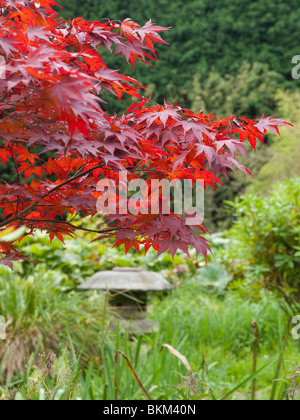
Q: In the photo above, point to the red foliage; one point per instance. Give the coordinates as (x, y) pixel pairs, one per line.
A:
(50, 101)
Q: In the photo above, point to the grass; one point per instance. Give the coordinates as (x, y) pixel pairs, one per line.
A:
(213, 333)
(41, 312)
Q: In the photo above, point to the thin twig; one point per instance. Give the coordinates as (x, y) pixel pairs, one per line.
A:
(33, 205)
(67, 223)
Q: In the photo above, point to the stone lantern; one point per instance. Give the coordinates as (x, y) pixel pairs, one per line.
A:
(129, 289)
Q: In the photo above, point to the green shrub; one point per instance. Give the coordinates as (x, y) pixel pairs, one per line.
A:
(264, 245)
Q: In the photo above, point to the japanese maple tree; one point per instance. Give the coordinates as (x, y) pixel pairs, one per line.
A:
(54, 131)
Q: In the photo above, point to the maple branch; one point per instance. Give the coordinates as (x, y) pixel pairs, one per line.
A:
(73, 178)
(69, 224)
(18, 216)
(17, 119)
(33, 205)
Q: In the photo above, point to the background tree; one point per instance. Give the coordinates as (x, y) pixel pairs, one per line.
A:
(250, 92)
(264, 246)
(206, 35)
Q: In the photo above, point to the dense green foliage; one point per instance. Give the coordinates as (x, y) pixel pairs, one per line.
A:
(264, 241)
(205, 36)
(251, 92)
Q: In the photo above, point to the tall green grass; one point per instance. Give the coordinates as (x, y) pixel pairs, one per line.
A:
(41, 311)
(214, 334)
